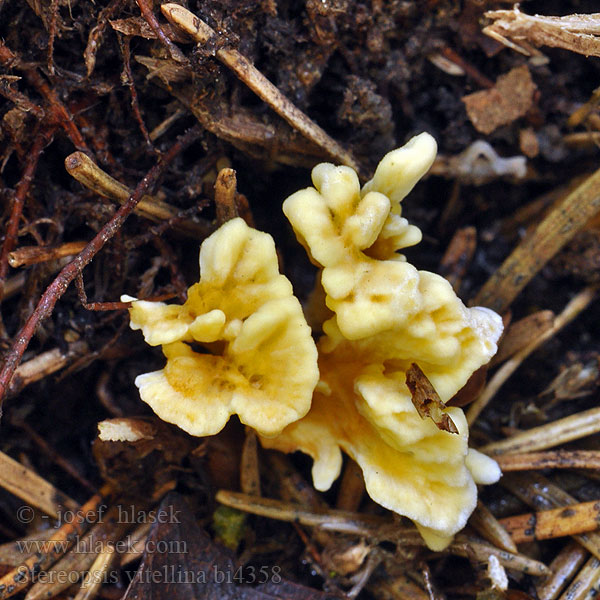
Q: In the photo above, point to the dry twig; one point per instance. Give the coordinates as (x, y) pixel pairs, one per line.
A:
(558, 459)
(258, 83)
(578, 33)
(89, 174)
(553, 523)
(540, 493)
(44, 364)
(352, 487)
(32, 255)
(520, 333)
(332, 520)
(42, 139)
(249, 467)
(371, 526)
(484, 522)
(146, 10)
(458, 256)
(482, 551)
(81, 558)
(585, 585)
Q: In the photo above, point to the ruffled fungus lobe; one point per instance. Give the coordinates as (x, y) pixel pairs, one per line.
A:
(261, 361)
(386, 316)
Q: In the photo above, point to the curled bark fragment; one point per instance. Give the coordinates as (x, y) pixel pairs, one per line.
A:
(426, 399)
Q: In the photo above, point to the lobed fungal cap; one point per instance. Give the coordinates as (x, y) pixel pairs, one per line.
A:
(262, 363)
(386, 316)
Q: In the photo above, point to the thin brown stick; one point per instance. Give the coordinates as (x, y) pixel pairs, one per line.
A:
(52, 35)
(41, 140)
(352, 487)
(541, 494)
(563, 567)
(379, 528)
(45, 364)
(310, 546)
(481, 551)
(258, 83)
(58, 287)
(585, 585)
(582, 139)
(555, 230)
(146, 10)
(291, 485)
(249, 467)
(32, 255)
(125, 44)
(458, 256)
(486, 524)
(82, 168)
(332, 520)
(163, 127)
(362, 577)
(581, 114)
(96, 306)
(557, 459)
(520, 333)
(557, 522)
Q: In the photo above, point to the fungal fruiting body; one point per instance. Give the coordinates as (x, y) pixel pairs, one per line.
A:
(260, 361)
(386, 316)
(383, 315)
